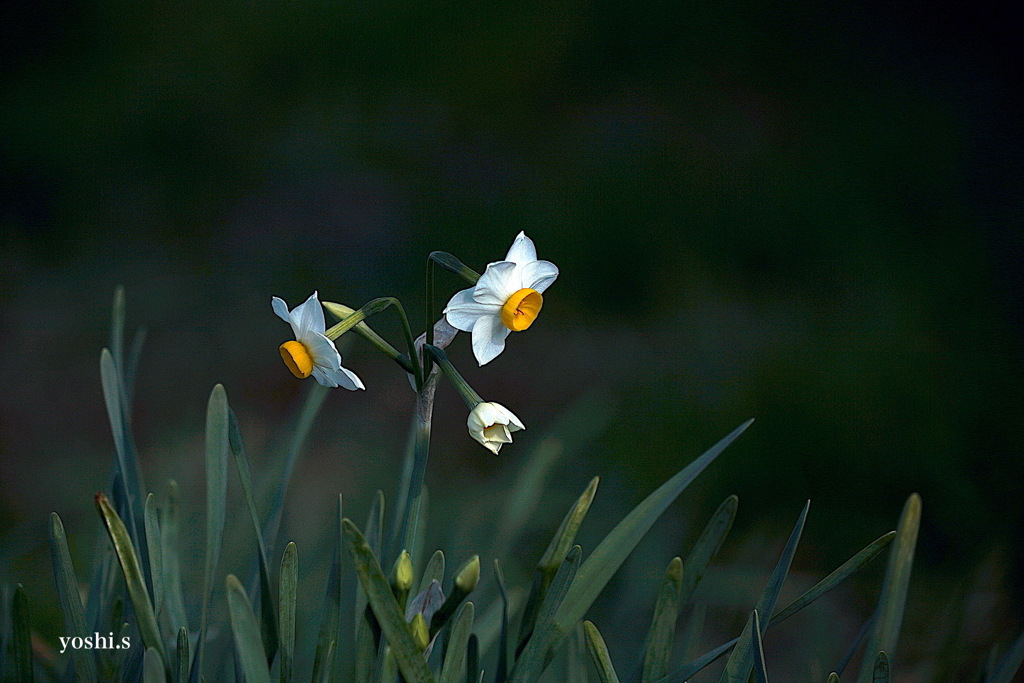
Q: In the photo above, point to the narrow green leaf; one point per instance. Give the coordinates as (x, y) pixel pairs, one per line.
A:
(575, 661)
(133, 578)
(663, 624)
(327, 673)
(760, 672)
(388, 667)
(21, 636)
(183, 655)
(153, 667)
(684, 672)
(737, 669)
(288, 593)
(327, 641)
(268, 613)
(617, 545)
(392, 622)
(893, 598)
(70, 601)
(848, 568)
(127, 461)
(1009, 664)
(216, 500)
(174, 600)
(692, 631)
(248, 641)
(881, 673)
(552, 559)
(366, 646)
(375, 524)
(502, 673)
(707, 547)
(434, 570)
(457, 642)
(599, 653)
(156, 565)
(546, 634)
(365, 629)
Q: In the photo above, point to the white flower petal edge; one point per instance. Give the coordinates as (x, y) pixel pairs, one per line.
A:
(308, 326)
(479, 309)
(492, 425)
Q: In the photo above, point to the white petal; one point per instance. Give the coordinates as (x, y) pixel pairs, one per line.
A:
(462, 311)
(500, 280)
(281, 308)
(342, 377)
(324, 376)
(309, 316)
(322, 351)
(522, 250)
(539, 275)
(488, 338)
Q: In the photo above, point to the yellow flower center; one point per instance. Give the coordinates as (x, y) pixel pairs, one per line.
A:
(521, 309)
(296, 357)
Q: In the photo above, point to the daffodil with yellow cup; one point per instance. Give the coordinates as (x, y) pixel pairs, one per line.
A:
(506, 298)
(311, 352)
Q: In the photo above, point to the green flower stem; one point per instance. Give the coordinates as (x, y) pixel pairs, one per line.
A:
(410, 497)
(453, 265)
(461, 385)
(353, 320)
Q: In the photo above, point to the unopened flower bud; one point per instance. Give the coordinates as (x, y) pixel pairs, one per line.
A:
(469, 575)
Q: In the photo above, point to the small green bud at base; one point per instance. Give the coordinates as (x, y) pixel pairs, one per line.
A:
(403, 571)
(469, 575)
(419, 630)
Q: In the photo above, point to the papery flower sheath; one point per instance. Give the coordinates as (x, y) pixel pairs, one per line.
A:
(492, 425)
(506, 298)
(312, 353)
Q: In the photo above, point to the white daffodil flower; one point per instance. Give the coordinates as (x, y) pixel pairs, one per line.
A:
(312, 353)
(506, 298)
(492, 425)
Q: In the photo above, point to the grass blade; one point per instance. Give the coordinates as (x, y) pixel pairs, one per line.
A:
(378, 593)
(70, 601)
(502, 672)
(737, 669)
(133, 578)
(21, 636)
(288, 594)
(547, 635)
(617, 545)
(848, 568)
(174, 601)
(760, 672)
(552, 558)
(153, 667)
(216, 500)
(183, 656)
(893, 597)
(881, 673)
(461, 629)
(599, 653)
(323, 661)
(156, 575)
(663, 624)
(434, 570)
(1009, 664)
(268, 613)
(707, 547)
(684, 672)
(248, 641)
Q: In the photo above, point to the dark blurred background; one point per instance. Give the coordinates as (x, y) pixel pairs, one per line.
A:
(808, 213)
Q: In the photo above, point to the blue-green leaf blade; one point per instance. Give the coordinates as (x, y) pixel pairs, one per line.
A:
(596, 571)
(288, 595)
(382, 601)
(893, 598)
(248, 640)
(599, 653)
(70, 601)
